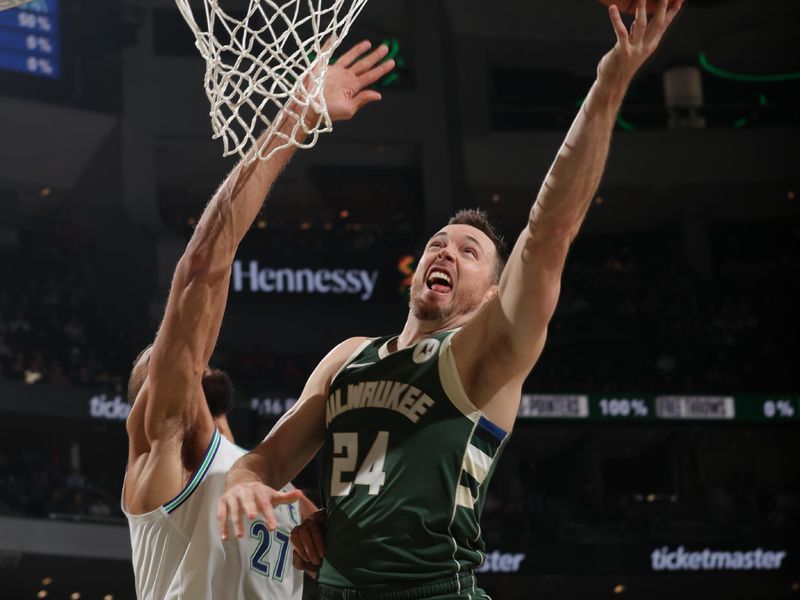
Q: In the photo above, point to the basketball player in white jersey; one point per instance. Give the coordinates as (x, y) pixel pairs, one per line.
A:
(178, 455)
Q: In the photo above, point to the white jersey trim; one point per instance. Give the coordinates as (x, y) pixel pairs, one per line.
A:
(451, 381)
(196, 479)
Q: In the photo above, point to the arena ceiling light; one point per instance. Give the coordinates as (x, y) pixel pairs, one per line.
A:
(758, 52)
(706, 65)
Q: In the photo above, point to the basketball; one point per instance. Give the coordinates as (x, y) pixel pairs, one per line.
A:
(629, 6)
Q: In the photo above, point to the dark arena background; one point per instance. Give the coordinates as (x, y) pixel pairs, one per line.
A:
(656, 454)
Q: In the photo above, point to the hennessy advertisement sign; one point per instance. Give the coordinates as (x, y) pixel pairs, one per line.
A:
(255, 278)
(376, 275)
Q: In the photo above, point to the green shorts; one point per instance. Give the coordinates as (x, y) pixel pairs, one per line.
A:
(461, 587)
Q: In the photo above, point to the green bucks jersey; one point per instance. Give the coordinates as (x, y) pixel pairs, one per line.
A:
(406, 463)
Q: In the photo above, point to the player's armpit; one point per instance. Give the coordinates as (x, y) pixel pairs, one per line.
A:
(496, 351)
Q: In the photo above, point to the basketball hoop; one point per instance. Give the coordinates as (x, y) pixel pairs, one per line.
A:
(269, 62)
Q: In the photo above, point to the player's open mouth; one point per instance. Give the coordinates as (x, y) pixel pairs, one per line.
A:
(439, 282)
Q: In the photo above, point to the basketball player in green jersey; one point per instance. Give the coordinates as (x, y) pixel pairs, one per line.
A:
(411, 426)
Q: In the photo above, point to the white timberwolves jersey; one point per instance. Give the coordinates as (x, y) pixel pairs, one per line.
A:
(178, 552)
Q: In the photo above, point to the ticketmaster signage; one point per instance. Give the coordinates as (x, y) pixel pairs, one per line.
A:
(109, 408)
(637, 558)
(707, 559)
(253, 277)
(502, 562)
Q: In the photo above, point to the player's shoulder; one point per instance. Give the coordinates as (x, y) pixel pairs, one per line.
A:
(345, 350)
(340, 355)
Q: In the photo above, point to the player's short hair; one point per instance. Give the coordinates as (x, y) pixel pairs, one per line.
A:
(217, 386)
(218, 390)
(138, 374)
(477, 218)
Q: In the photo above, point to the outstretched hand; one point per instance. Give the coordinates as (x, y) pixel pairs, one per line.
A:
(349, 77)
(634, 47)
(249, 500)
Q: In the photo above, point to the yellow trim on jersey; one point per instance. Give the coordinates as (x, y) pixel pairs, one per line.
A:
(451, 381)
(464, 497)
(352, 357)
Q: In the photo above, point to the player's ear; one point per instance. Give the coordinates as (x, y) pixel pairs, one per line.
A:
(491, 293)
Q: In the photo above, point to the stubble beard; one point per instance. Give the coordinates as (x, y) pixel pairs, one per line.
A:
(466, 300)
(428, 312)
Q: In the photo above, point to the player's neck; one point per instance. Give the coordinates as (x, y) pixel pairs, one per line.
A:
(416, 329)
(221, 423)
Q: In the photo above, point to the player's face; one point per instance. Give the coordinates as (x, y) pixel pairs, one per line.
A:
(454, 274)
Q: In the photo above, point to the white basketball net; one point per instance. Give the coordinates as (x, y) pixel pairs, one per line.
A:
(266, 64)
(6, 4)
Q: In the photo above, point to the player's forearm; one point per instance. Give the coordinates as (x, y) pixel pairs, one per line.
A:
(250, 468)
(572, 180)
(237, 202)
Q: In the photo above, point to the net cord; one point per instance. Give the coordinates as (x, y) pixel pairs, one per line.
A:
(249, 68)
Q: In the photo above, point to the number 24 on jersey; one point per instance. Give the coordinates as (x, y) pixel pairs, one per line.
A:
(345, 454)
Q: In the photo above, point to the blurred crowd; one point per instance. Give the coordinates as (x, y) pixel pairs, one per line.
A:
(50, 332)
(634, 316)
(35, 483)
(695, 486)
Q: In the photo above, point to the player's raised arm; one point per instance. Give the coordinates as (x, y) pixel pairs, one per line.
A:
(513, 327)
(199, 288)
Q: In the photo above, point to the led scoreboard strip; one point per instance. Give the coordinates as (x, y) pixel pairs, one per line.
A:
(648, 408)
(30, 39)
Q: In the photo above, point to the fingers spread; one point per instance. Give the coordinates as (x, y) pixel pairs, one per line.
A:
(365, 97)
(619, 26)
(370, 60)
(661, 11)
(674, 9)
(238, 517)
(249, 506)
(265, 506)
(286, 497)
(376, 74)
(349, 57)
(640, 22)
(222, 518)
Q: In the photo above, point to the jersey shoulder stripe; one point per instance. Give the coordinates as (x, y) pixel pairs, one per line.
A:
(353, 357)
(208, 458)
(451, 381)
